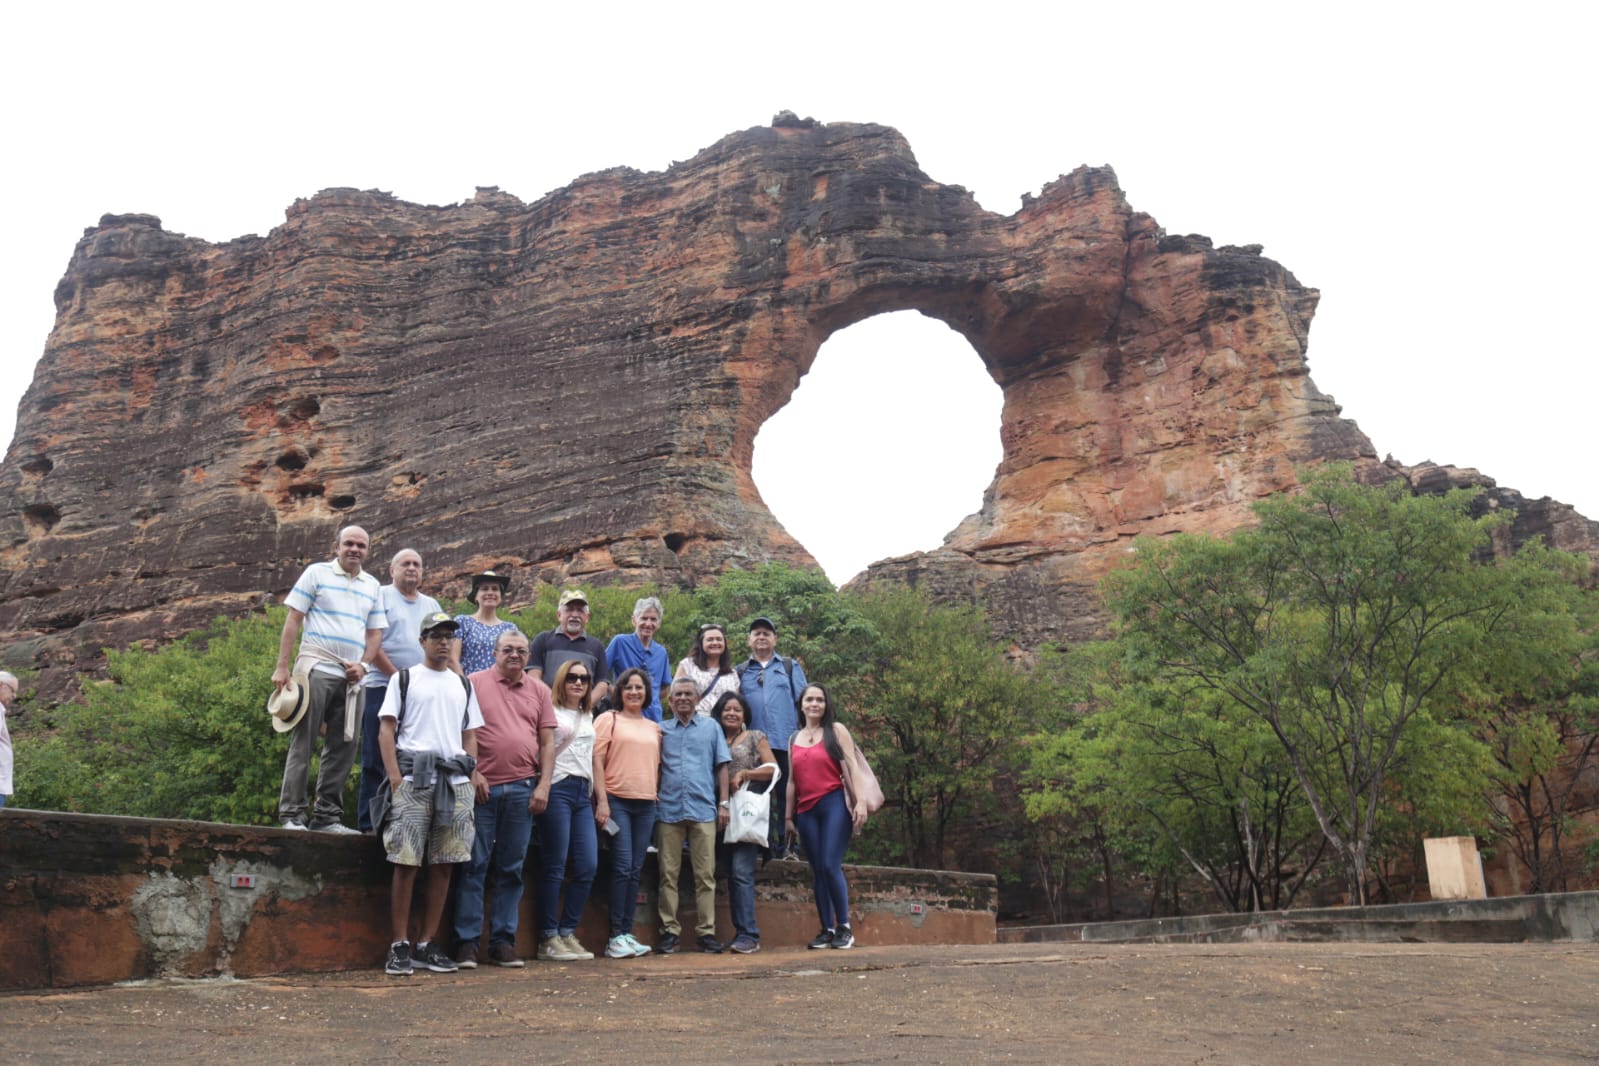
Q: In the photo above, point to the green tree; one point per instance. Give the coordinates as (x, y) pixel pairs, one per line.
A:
(944, 713)
(1348, 619)
(179, 732)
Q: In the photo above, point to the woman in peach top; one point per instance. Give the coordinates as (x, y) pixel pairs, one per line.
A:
(627, 761)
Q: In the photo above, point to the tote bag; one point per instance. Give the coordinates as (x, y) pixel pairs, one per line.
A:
(749, 814)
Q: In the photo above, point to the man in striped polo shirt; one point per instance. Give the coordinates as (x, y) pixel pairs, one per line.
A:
(337, 603)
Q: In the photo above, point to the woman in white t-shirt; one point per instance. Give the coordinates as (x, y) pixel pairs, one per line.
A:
(710, 667)
(567, 827)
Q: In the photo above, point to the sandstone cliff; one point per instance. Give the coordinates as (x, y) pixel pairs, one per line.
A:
(573, 387)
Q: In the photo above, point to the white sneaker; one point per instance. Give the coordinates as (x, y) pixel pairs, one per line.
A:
(619, 948)
(575, 947)
(338, 829)
(639, 950)
(290, 823)
(554, 949)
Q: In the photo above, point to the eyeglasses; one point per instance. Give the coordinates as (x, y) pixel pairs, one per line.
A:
(439, 634)
(577, 679)
(518, 652)
(712, 625)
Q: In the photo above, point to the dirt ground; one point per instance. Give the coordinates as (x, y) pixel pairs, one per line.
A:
(1258, 1003)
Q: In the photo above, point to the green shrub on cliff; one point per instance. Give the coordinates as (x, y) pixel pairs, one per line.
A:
(180, 732)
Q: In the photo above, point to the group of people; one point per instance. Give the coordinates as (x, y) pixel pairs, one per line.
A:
(472, 735)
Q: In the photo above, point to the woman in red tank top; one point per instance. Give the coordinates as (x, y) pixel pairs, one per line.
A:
(822, 806)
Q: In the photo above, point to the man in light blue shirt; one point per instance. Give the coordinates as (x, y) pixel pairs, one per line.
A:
(404, 605)
(337, 603)
(771, 686)
(691, 805)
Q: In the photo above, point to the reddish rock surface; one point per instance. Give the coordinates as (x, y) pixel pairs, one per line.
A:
(573, 387)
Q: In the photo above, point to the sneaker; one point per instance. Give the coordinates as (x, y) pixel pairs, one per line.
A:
(575, 948)
(710, 945)
(619, 948)
(824, 939)
(434, 958)
(640, 949)
(844, 940)
(336, 828)
(399, 960)
(745, 945)
(293, 823)
(667, 945)
(503, 954)
(466, 955)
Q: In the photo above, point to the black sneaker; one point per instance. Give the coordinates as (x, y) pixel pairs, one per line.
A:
(399, 961)
(667, 945)
(466, 955)
(710, 944)
(435, 958)
(824, 939)
(844, 940)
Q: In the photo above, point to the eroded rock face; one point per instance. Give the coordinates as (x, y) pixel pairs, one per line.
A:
(572, 387)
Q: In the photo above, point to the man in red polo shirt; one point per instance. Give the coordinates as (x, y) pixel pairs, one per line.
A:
(515, 759)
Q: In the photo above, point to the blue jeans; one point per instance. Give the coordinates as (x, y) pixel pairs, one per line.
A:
(372, 772)
(741, 862)
(3, 803)
(635, 819)
(825, 830)
(504, 826)
(566, 831)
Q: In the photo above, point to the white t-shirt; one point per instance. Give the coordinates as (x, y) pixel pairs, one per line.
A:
(5, 754)
(574, 739)
(433, 709)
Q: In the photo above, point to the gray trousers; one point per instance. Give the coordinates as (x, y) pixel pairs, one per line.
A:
(338, 755)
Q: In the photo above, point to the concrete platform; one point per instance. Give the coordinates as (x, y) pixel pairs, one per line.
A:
(1304, 1004)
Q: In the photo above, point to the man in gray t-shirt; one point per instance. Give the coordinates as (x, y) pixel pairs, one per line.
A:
(405, 606)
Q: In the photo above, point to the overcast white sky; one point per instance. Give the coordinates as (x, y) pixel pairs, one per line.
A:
(1426, 166)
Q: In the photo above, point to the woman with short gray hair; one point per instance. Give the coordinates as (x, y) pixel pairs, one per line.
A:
(638, 650)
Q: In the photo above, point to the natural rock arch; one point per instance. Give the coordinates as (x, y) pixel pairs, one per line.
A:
(573, 387)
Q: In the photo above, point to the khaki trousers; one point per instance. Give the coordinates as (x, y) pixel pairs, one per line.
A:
(701, 838)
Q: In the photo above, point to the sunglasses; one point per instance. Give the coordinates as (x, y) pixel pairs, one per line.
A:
(577, 678)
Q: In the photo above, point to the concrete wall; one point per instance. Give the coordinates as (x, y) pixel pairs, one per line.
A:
(89, 899)
(1564, 916)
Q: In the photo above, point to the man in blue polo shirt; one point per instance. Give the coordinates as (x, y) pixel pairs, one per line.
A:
(692, 806)
(337, 603)
(771, 686)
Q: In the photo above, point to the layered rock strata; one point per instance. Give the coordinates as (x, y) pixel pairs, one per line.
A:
(572, 387)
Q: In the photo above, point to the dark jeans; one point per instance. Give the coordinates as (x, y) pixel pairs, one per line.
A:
(780, 803)
(635, 819)
(825, 830)
(566, 833)
(503, 828)
(741, 862)
(372, 772)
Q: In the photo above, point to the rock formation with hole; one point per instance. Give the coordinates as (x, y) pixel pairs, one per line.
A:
(572, 387)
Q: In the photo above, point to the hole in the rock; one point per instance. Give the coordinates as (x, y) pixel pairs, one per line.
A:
(293, 459)
(887, 444)
(304, 409)
(40, 518)
(341, 503)
(39, 464)
(675, 542)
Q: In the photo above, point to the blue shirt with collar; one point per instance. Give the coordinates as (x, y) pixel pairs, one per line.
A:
(690, 753)
(773, 701)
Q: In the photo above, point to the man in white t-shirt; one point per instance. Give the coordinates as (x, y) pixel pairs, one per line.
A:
(404, 604)
(428, 737)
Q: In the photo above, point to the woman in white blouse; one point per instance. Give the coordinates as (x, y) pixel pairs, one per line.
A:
(567, 828)
(710, 667)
